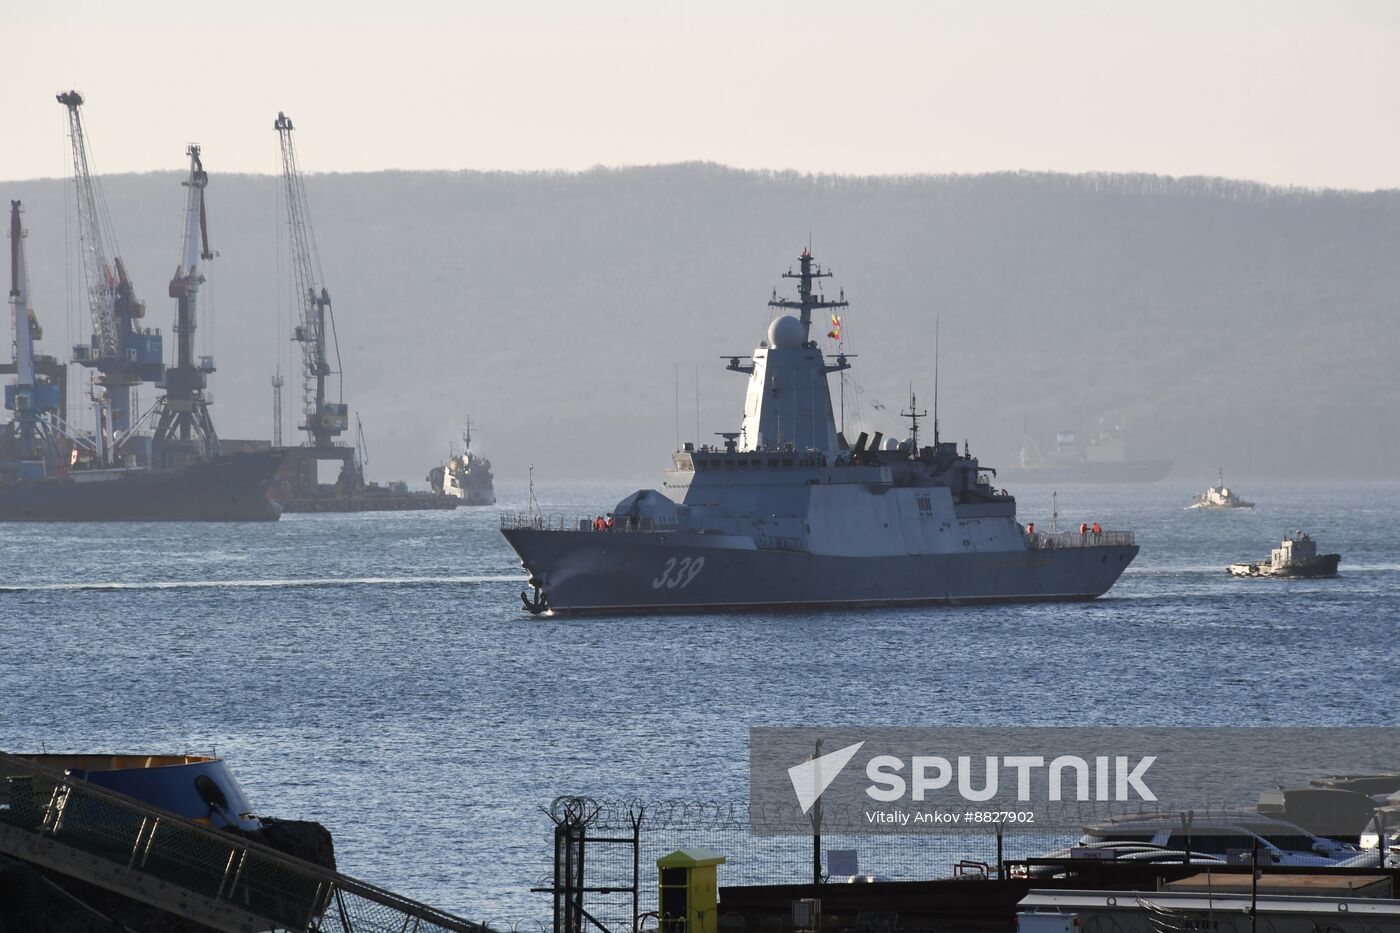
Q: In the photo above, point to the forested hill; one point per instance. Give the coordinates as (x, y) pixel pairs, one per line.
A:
(1223, 322)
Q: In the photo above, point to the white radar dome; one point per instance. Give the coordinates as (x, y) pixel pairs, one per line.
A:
(785, 333)
(891, 443)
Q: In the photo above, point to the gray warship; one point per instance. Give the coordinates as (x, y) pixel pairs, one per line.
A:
(786, 514)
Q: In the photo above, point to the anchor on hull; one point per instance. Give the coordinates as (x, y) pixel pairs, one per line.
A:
(537, 604)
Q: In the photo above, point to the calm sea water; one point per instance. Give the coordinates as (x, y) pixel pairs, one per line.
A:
(375, 672)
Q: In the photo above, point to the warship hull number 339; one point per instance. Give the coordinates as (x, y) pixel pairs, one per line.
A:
(787, 514)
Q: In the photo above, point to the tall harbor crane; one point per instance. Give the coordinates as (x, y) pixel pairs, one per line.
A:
(184, 430)
(28, 441)
(325, 420)
(123, 354)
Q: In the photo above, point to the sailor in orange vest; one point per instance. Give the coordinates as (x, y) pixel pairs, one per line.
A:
(1097, 531)
(598, 523)
(1083, 529)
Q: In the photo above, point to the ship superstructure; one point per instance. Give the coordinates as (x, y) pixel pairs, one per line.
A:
(785, 513)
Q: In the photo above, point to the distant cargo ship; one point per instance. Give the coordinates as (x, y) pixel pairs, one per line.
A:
(230, 488)
(1103, 460)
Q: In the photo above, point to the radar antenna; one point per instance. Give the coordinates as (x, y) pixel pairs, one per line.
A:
(806, 302)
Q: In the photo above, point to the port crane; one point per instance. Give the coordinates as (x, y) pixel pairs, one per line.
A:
(325, 420)
(184, 430)
(123, 354)
(29, 442)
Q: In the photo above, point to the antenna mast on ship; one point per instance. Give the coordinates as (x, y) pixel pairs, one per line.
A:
(806, 303)
(935, 380)
(913, 414)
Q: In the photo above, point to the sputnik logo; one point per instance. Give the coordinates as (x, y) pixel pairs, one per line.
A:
(811, 778)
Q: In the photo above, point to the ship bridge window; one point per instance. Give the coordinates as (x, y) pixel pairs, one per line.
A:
(787, 461)
(773, 462)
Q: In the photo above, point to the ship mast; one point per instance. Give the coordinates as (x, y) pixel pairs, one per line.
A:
(806, 303)
(788, 404)
(913, 414)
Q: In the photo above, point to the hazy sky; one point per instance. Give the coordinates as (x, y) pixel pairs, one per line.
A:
(1304, 93)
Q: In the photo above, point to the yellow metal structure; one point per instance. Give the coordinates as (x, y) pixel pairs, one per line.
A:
(688, 895)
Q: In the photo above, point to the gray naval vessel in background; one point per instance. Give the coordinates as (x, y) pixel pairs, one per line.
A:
(787, 514)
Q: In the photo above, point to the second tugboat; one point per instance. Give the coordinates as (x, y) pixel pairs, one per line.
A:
(1219, 496)
(1296, 557)
(787, 514)
(466, 476)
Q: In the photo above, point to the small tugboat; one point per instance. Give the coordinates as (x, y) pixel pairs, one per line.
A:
(1296, 557)
(466, 476)
(1219, 496)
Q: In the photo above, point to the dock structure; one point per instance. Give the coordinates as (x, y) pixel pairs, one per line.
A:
(222, 881)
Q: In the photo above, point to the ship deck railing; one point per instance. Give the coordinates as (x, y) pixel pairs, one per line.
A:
(1053, 540)
(214, 878)
(511, 521)
(538, 522)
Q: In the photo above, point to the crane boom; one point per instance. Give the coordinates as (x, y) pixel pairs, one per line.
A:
(19, 303)
(28, 438)
(97, 272)
(184, 428)
(123, 354)
(324, 420)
